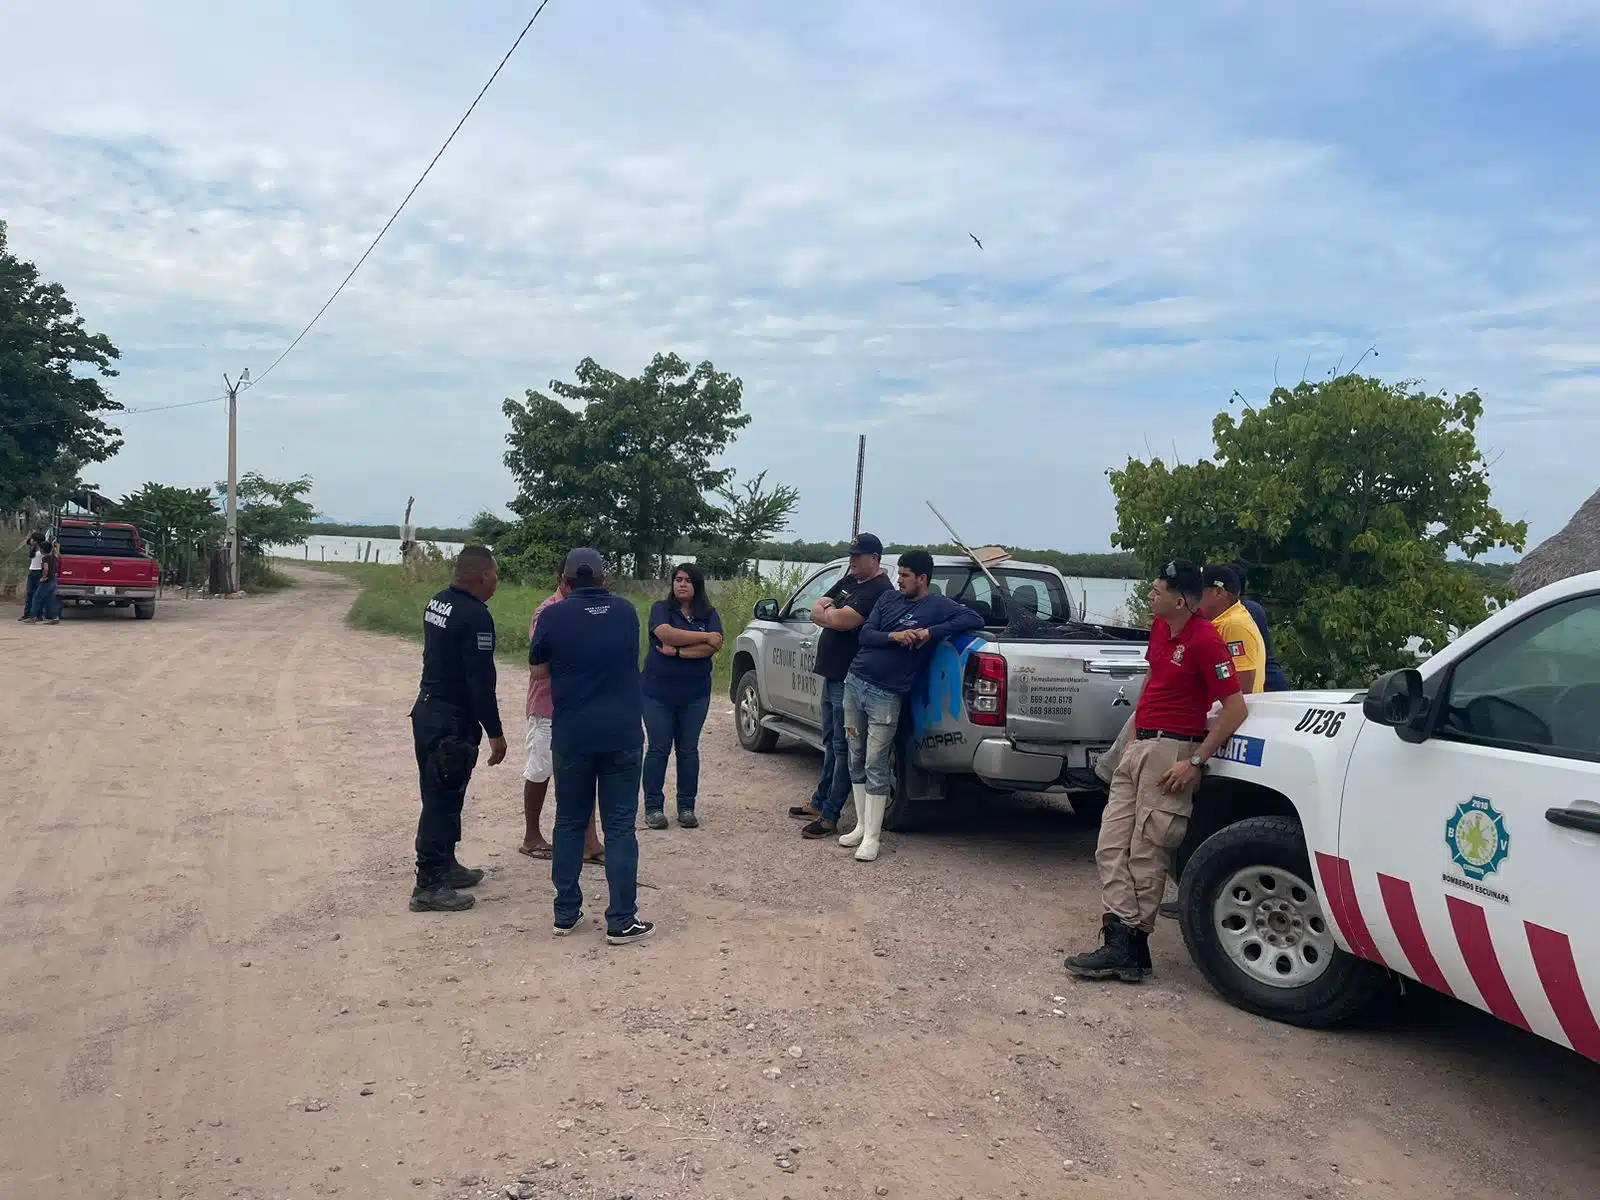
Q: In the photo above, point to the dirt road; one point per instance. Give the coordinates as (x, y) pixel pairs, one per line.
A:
(210, 985)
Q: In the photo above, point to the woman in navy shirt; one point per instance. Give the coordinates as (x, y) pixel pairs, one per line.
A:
(685, 633)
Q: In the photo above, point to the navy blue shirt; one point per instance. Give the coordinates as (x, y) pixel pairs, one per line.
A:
(894, 667)
(590, 642)
(667, 677)
(458, 657)
(1275, 680)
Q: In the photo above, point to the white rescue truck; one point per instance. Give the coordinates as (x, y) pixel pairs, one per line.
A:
(1444, 827)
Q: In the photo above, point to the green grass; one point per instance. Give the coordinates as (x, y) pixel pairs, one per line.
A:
(391, 601)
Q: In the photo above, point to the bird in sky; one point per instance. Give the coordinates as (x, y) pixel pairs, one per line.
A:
(974, 237)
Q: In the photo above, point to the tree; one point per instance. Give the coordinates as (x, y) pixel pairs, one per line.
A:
(272, 512)
(50, 389)
(750, 515)
(1342, 500)
(181, 525)
(628, 471)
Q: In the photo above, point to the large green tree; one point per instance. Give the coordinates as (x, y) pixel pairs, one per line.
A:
(50, 390)
(272, 512)
(1342, 499)
(748, 516)
(623, 463)
(180, 525)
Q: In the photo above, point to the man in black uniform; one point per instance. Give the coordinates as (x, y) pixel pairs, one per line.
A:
(455, 708)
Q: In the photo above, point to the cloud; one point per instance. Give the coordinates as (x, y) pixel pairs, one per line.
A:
(788, 192)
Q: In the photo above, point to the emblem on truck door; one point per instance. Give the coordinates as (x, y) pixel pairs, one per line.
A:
(1477, 838)
(1122, 700)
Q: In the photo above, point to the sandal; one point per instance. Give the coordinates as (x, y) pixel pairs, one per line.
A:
(540, 852)
(598, 860)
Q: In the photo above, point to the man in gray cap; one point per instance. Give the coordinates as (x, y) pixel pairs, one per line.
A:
(588, 647)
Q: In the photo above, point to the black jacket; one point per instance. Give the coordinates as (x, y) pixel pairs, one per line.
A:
(458, 657)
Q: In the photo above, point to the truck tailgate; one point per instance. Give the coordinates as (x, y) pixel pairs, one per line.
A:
(1071, 691)
(84, 571)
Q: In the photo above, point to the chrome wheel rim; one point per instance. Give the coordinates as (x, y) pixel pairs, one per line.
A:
(749, 714)
(1270, 923)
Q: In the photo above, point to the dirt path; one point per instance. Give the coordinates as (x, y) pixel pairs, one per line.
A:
(210, 985)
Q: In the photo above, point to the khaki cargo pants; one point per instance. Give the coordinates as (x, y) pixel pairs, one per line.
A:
(1141, 829)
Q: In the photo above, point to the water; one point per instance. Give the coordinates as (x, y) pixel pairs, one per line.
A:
(322, 547)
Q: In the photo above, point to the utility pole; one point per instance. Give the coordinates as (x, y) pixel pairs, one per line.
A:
(861, 466)
(233, 476)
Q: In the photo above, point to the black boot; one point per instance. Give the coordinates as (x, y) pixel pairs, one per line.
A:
(463, 877)
(1141, 953)
(1116, 958)
(441, 897)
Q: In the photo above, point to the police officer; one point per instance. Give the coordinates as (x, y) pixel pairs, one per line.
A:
(455, 708)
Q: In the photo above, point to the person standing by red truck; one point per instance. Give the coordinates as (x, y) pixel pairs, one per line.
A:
(45, 606)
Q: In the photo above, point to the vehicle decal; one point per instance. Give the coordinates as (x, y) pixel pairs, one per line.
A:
(1246, 751)
(1558, 974)
(933, 740)
(936, 696)
(1477, 838)
(1401, 906)
(1339, 893)
(1326, 721)
(1477, 950)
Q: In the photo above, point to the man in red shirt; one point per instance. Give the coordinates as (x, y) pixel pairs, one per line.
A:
(1152, 790)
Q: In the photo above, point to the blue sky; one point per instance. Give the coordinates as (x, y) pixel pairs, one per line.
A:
(1172, 199)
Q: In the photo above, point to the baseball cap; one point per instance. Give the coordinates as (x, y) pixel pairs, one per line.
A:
(866, 543)
(1223, 576)
(584, 561)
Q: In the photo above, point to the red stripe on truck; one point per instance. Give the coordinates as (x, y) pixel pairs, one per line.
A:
(1477, 948)
(1339, 890)
(1401, 906)
(1558, 972)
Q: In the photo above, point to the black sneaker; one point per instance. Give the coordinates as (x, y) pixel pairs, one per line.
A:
(439, 898)
(464, 877)
(1117, 957)
(1169, 910)
(656, 819)
(804, 812)
(819, 829)
(561, 930)
(637, 932)
(688, 820)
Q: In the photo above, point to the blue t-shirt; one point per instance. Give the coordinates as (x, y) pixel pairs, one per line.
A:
(894, 667)
(1276, 680)
(590, 641)
(667, 677)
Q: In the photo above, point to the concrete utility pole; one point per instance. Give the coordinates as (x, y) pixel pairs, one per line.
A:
(233, 476)
(861, 466)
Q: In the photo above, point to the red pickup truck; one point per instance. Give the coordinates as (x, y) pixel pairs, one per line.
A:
(106, 564)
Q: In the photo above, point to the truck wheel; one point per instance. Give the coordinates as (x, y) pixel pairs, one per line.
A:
(903, 813)
(1254, 925)
(1088, 806)
(144, 611)
(748, 715)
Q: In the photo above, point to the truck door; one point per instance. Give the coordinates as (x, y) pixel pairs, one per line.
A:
(792, 689)
(1471, 855)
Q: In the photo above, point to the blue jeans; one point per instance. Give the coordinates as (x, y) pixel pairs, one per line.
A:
(669, 724)
(871, 718)
(834, 786)
(46, 604)
(27, 599)
(612, 778)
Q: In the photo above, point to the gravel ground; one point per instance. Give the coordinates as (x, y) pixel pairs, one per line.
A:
(210, 985)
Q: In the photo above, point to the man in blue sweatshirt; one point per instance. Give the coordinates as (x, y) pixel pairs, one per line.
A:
(896, 645)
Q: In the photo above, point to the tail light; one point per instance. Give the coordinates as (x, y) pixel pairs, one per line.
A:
(983, 689)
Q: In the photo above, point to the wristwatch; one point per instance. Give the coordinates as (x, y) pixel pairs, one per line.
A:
(677, 652)
(1197, 762)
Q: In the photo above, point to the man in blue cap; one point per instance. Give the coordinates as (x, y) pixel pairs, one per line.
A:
(588, 647)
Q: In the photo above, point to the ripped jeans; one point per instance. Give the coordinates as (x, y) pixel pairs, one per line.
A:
(871, 718)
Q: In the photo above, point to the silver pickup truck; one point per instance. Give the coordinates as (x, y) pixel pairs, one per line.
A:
(1015, 713)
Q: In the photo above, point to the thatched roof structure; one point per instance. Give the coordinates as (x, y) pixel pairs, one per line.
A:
(1573, 551)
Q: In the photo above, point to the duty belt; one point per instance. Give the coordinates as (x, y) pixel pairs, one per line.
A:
(1159, 735)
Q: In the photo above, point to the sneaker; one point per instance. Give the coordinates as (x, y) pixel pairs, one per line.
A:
(464, 877)
(1169, 910)
(439, 898)
(1116, 958)
(561, 930)
(819, 829)
(53, 621)
(656, 819)
(637, 932)
(688, 820)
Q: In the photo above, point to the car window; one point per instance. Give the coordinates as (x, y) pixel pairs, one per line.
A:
(1536, 686)
(810, 592)
(1037, 591)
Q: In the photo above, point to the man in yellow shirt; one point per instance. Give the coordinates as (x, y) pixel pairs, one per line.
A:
(1220, 604)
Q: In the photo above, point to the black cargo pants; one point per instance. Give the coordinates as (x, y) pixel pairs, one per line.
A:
(447, 750)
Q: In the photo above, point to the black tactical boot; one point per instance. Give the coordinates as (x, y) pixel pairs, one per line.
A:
(1141, 953)
(1116, 958)
(464, 877)
(439, 898)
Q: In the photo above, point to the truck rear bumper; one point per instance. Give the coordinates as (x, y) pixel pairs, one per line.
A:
(73, 591)
(1001, 765)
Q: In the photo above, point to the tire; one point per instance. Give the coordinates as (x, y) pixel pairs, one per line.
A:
(1088, 806)
(748, 715)
(1255, 871)
(144, 611)
(902, 814)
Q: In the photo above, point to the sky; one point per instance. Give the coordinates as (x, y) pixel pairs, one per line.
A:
(1175, 201)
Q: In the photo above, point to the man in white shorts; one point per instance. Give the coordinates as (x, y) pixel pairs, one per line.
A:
(537, 769)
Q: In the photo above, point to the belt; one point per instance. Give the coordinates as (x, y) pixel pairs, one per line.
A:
(1159, 735)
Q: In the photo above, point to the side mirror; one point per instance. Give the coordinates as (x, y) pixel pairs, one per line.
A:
(1396, 700)
(766, 610)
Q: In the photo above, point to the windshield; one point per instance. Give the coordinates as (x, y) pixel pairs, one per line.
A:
(1037, 593)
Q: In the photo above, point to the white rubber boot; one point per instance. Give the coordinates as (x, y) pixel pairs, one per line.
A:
(853, 838)
(868, 850)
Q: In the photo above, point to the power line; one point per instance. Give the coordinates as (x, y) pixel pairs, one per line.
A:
(115, 414)
(395, 216)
